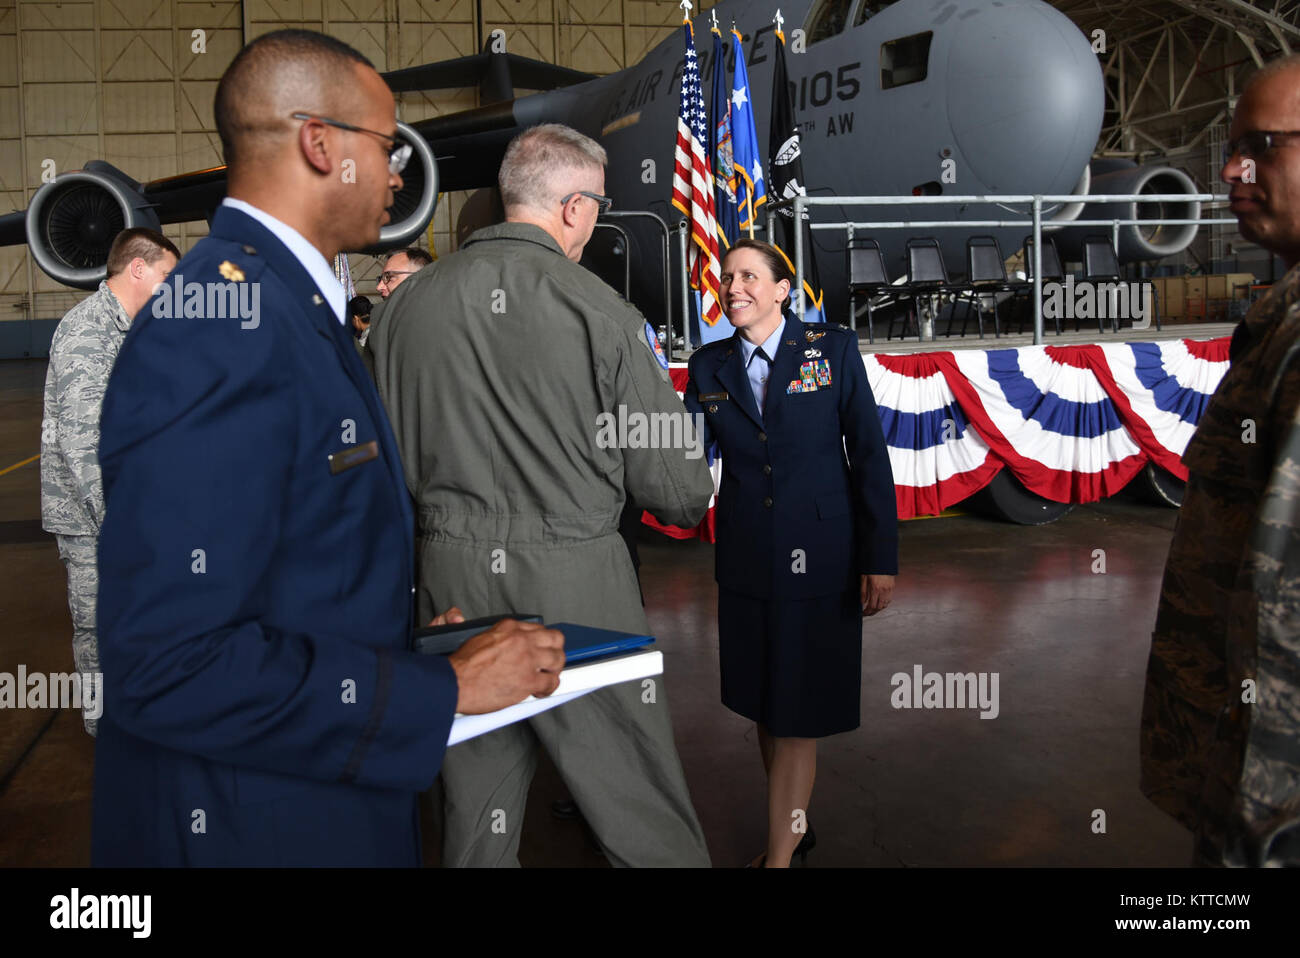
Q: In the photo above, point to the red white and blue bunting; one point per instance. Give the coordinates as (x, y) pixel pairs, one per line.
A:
(1072, 423)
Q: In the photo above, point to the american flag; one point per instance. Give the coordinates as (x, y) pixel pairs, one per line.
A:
(693, 186)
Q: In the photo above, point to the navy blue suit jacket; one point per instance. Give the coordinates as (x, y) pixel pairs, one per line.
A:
(796, 518)
(255, 602)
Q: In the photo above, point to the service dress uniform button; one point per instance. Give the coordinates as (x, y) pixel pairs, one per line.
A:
(762, 437)
(249, 250)
(713, 407)
(767, 469)
(768, 502)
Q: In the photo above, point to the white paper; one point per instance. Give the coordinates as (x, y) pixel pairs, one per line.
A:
(575, 682)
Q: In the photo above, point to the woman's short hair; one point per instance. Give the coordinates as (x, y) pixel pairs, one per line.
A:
(776, 262)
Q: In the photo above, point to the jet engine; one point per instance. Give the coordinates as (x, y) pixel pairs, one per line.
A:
(72, 220)
(414, 204)
(1136, 242)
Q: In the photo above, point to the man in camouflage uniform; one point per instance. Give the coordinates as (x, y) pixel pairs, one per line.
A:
(82, 354)
(1221, 719)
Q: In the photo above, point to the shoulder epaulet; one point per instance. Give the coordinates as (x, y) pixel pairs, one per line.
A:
(709, 348)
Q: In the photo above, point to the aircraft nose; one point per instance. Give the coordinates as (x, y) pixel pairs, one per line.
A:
(1025, 97)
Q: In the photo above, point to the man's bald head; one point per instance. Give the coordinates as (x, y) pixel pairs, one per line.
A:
(309, 130)
(278, 74)
(1273, 68)
(1263, 170)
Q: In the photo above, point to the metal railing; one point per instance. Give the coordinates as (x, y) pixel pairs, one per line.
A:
(664, 248)
(1035, 220)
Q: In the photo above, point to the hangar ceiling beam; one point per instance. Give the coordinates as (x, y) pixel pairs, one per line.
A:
(1172, 67)
(1248, 19)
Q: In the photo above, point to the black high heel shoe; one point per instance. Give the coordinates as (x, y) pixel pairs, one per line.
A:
(806, 844)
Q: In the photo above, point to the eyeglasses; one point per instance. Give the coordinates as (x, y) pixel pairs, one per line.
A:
(603, 203)
(1255, 143)
(399, 154)
(388, 276)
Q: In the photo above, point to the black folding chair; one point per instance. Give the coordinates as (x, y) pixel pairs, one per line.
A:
(867, 274)
(1052, 273)
(986, 275)
(1100, 265)
(926, 275)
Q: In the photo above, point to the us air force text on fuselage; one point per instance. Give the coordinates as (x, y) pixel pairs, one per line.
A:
(813, 92)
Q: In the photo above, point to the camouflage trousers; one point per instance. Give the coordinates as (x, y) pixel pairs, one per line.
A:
(79, 555)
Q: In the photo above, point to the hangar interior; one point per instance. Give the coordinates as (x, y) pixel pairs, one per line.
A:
(131, 82)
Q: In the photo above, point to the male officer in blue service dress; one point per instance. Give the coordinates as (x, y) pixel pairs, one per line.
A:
(255, 605)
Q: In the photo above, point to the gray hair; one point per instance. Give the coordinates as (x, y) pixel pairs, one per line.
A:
(538, 162)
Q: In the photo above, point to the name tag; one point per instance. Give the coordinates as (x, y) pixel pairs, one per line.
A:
(353, 456)
(713, 397)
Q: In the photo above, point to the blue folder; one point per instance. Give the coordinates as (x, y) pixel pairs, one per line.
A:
(582, 643)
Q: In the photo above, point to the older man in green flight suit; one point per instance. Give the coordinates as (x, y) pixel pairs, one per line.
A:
(503, 368)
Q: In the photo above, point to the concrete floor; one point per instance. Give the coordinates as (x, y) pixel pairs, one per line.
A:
(910, 787)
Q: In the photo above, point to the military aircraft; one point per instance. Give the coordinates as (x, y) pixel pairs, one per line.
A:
(893, 98)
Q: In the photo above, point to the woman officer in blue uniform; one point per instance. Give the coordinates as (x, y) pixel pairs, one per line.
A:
(807, 526)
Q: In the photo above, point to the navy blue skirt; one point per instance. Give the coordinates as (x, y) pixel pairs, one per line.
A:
(793, 665)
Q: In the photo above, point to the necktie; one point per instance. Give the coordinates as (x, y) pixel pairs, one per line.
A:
(762, 367)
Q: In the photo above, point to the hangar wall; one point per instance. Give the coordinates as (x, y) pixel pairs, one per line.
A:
(131, 82)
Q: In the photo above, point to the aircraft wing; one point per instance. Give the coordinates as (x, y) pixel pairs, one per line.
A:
(72, 220)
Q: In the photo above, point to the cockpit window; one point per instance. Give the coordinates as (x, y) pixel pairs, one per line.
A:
(905, 60)
(868, 10)
(828, 19)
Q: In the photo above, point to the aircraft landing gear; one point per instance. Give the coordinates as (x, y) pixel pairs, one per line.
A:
(1005, 498)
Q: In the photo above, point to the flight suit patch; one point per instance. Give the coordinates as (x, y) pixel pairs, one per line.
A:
(652, 340)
